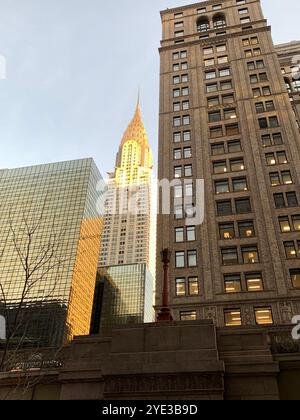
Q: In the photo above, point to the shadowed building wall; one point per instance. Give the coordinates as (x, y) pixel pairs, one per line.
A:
(226, 117)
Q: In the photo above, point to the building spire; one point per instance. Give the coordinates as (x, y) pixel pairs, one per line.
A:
(136, 130)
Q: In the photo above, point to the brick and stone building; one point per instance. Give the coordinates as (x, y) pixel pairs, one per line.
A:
(226, 117)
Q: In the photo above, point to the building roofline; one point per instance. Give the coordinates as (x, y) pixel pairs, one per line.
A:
(188, 6)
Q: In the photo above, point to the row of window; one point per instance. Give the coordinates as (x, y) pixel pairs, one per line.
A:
(233, 317)
(179, 121)
(233, 146)
(205, 9)
(213, 74)
(232, 284)
(244, 255)
(220, 131)
(242, 206)
(289, 223)
(232, 230)
(240, 184)
(226, 114)
(234, 185)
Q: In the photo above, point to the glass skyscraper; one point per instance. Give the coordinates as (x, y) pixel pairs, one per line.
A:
(50, 229)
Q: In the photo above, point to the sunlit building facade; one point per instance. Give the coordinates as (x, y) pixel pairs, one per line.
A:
(128, 241)
(229, 115)
(50, 230)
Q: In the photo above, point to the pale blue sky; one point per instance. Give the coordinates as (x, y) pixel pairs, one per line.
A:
(73, 72)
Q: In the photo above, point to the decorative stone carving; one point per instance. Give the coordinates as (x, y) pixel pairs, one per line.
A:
(210, 312)
(162, 383)
(248, 317)
(286, 312)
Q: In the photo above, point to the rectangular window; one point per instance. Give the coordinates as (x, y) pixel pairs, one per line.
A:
(243, 206)
(178, 212)
(229, 256)
(188, 316)
(177, 154)
(177, 137)
(250, 255)
(217, 149)
(177, 172)
(188, 171)
(290, 250)
(214, 116)
(212, 88)
(275, 179)
(279, 201)
(179, 235)
(176, 122)
(234, 146)
(191, 233)
(227, 231)
(221, 48)
(180, 287)
(254, 282)
(216, 132)
(187, 151)
(263, 123)
(224, 72)
(227, 99)
(277, 139)
(180, 259)
(223, 59)
(185, 105)
(192, 258)
(285, 225)
(286, 178)
(263, 316)
(208, 51)
(295, 277)
(193, 286)
(222, 187)
(232, 283)
(292, 199)
(186, 120)
(213, 101)
(185, 91)
(226, 85)
(210, 75)
(246, 229)
(224, 208)
(233, 318)
(239, 184)
(237, 165)
(176, 107)
(176, 93)
(296, 223)
(187, 136)
(220, 167)
(232, 129)
(209, 62)
(230, 114)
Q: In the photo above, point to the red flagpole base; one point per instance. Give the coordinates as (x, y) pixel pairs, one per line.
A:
(165, 315)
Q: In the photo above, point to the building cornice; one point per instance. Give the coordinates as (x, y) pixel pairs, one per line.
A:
(213, 40)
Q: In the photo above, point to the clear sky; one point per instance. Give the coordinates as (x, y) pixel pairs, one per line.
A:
(73, 72)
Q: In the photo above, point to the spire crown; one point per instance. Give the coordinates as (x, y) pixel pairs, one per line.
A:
(136, 130)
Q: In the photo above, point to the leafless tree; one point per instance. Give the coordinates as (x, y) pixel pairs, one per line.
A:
(40, 257)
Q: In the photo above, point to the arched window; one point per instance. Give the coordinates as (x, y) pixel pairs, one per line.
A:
(288, 85)
(219, 21)
(203, 24)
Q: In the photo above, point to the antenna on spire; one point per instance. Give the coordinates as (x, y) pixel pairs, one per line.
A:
(139, 97)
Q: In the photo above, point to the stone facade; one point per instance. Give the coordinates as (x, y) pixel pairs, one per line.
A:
(168, 361)
(223, 100)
